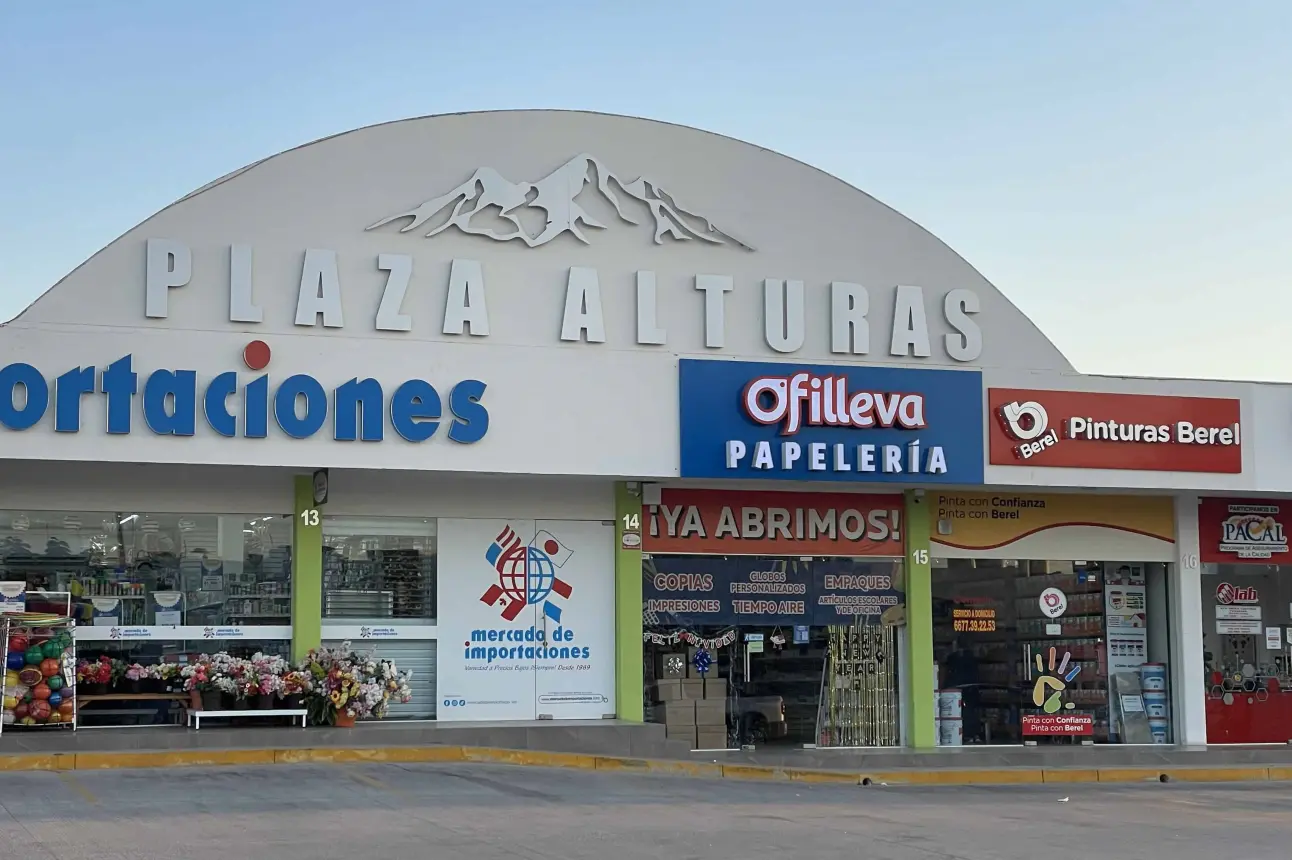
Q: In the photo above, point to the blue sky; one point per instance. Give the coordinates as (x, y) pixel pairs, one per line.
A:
(1121, 170)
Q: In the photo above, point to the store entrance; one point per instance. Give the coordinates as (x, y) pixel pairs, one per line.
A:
(1024, 648)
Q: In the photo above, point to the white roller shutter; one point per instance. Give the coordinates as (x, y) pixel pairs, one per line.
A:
(417, 656)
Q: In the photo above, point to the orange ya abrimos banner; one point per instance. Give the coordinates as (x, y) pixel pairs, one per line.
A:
(757, 522)
(986, 521)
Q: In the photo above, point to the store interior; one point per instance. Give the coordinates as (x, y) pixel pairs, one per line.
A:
(1050, 652)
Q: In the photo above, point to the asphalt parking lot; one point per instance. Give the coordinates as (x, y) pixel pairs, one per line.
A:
(486, 812)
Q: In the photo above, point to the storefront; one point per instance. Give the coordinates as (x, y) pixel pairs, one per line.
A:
(1049, 617)
(1247, 629)
(512, 416)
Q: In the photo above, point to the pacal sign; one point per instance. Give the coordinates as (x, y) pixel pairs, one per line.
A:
(817, 423)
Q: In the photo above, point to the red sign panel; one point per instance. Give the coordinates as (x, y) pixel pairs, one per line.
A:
(1051, 725)
(1243, 531)
(1089, 430)
(752, 522)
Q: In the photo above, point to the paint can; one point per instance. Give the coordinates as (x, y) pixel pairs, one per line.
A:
(950, 732)
(1155, 705)
(950, 704)
(1159, 727)
(1152, 677)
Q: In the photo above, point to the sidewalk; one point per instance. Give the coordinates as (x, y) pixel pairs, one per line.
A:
(631, 747)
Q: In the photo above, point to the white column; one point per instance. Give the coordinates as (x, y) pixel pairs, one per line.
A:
(1188, 678)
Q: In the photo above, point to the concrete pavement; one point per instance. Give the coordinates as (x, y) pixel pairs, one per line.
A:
(488, 812)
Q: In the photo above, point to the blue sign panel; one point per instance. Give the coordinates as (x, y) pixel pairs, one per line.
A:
(820, 423)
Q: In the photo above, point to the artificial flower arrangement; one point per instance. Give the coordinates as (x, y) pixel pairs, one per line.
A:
(336, 685)
(348, 686)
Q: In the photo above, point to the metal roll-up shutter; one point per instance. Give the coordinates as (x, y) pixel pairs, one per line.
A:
(413, 655)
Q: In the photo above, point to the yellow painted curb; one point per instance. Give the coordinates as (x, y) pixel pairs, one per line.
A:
(749, 771)
(949, 776)
(1129, 774)
(659, 767)
(36, 761)
(1218, 774)
(179, 758)
(530, 758)
(1070, 775)
(664, 767)
(823, 776)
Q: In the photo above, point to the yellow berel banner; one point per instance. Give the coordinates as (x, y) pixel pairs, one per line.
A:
(984, 521)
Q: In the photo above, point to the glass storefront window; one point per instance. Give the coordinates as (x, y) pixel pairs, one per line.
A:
(1047, 651)
(1246, 626)
(802, 650)
(379, 569)
(132, 568)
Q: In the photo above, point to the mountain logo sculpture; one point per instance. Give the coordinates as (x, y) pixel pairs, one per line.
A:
(557, 197)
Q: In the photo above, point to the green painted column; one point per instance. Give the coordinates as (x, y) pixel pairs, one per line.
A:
(919, 621)
(629, 672)
(307, 568)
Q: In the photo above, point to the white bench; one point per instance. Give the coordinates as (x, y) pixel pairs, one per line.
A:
(195, 717)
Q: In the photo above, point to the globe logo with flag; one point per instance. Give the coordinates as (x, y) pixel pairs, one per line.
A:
(527, 573)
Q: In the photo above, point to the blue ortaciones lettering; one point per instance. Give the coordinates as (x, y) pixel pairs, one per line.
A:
(300, 404)
(505, 643)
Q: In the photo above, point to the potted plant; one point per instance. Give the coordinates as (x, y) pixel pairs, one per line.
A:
(133, 678)
(270, 686)
(296, 685)
(348, 687)
(92, 678)
(198, 682)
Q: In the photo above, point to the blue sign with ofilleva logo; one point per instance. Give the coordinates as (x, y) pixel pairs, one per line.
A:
(862, 424)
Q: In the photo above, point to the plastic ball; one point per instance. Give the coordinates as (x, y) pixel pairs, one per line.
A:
(55, 699)
(55, 682)
(15, 660)
(50, 667)
(20, 712)
(18, 643)
(40, 711)
(10, 702)
(19, 692)
(53, 718)
(41, 692)
(7, 718)
(67, 709)
(34, 655)
(10, 679)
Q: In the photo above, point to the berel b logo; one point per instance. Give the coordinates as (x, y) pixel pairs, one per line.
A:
(1025, 421)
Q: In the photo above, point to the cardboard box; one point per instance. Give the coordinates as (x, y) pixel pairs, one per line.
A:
(715, 688)
(674, 714)
(681, 733)
(711, 739)
(666, 691)
(671, 665)
(711, 714)
(693, 688)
